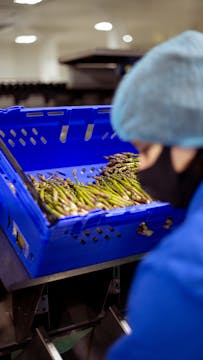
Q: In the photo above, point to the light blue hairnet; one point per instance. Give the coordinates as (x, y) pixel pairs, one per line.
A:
(161, 99)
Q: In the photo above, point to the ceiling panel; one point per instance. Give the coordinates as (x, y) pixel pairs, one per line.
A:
(71, 22)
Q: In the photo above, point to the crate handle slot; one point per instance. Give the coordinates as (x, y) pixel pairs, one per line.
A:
(168, 223)
(89, 131)
(20, 241)
(113, 136)
(64, 133)
(55, 113)
(105, 135)
(104, 111)
(34, 114)
(51, 218)
(143, 229)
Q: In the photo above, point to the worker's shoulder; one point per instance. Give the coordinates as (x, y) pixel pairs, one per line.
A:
(179, 256)
(187, 238)
(185, 243)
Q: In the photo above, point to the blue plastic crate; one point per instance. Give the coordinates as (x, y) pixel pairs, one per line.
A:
(50, 139)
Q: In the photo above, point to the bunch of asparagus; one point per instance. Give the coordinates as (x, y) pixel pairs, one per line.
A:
(116, 186)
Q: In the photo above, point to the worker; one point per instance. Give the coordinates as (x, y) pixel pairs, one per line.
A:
(158, 106)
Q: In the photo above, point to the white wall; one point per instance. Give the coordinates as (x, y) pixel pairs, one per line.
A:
(7, 64)
(34, 62)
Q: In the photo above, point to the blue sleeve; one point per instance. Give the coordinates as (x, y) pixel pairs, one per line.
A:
(165, 315)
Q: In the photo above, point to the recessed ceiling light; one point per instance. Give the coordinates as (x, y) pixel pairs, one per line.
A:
(25, 39)
(127, 38)
(103, 26)
(27, 2)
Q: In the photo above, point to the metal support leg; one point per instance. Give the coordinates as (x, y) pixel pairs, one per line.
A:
(120, 320)
(7, 329)
(114, 291)
(25, 303)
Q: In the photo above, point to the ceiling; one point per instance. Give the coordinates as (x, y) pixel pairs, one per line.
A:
(70, 24)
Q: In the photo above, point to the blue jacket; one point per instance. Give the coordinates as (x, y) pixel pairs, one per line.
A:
(165, 308)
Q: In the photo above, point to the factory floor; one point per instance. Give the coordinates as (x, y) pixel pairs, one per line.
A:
(95, 345)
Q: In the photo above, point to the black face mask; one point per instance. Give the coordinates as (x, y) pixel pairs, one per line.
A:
(163, 183)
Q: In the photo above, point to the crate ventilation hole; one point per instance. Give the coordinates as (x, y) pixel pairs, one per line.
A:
(14, 138)
(100, 233)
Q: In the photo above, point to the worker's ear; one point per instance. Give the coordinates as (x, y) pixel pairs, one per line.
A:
(182, 157)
